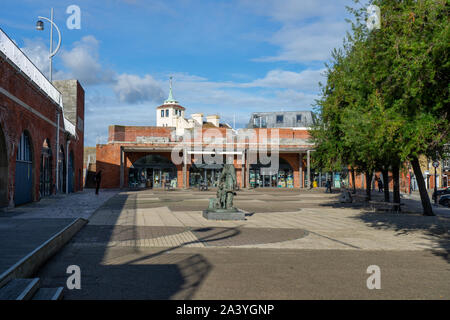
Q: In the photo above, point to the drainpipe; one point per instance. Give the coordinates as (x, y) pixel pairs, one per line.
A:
(57, 153)
(67, 166)
(308, 167)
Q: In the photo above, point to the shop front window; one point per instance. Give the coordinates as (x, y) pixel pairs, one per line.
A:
(205, 173)
(152, 171)
(261, 177)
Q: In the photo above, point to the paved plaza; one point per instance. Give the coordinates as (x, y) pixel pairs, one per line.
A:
(24, 228)
(274, 219)
(155, 244)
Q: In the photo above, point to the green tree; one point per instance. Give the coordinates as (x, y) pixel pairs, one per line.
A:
(386, 96)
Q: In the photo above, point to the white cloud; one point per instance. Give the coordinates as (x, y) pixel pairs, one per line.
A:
(134, 99)
(134, 89)
(37, 51)
(309, 30)
(294, 10)
(306, 80)
(83, 62)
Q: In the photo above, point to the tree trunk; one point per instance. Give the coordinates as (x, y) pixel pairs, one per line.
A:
(426, 204)
(396, 189)
(385, 173)
(353, 181)
(369, 176)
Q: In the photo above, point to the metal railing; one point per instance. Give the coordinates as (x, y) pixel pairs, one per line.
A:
(13, 53)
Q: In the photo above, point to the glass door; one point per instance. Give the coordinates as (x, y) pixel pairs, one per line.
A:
(253, 181)
(267, 181)
(157, 178)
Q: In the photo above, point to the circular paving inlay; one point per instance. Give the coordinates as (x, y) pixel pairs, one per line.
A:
(209, 236)
(107, 233)
(224, 237)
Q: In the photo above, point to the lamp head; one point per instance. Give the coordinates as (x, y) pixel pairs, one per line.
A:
(40, 25)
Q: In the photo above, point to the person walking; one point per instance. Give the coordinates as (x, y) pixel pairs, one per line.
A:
(328, 186)
(380, 185)
(98, 180)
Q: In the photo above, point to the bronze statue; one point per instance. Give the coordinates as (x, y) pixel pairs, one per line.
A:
(221, 207)
(227, 187)
(225, 190)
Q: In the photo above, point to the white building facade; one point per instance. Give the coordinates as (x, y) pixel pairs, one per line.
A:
(172, 114)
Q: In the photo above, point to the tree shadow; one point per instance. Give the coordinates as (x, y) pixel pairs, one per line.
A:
(434, 228)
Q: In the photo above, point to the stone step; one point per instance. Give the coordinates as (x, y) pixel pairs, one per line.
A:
(49, 294)
(29, 264)
(19, 289)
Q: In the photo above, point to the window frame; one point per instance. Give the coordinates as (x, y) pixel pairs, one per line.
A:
(279, 116)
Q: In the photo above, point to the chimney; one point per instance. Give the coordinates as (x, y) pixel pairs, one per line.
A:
(214, 119)
(198, 118)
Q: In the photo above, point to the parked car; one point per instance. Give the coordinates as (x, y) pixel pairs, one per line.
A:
(445, 200)
(442, 192)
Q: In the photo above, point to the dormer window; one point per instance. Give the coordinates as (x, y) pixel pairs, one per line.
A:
(280, 119)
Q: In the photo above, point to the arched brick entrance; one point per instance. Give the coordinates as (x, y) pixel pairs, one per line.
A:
(24, 177)
(3, 170)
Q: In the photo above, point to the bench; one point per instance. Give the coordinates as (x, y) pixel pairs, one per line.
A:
(203, 186)
(168, 186)
(385, 206)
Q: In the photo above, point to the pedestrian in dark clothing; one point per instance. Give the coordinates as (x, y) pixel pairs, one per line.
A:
(380, 185)
(328, 186)
(98, 180)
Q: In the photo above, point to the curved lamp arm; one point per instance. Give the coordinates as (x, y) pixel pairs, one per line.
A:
(59, 35)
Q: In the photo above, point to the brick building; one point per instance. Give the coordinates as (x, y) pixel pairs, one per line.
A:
(193, 153)
(41, 130)
(147, 156)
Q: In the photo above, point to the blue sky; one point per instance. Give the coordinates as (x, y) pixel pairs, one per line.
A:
(227, 57)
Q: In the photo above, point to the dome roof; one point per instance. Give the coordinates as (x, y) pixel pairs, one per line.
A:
(175, 106)
(171, 102)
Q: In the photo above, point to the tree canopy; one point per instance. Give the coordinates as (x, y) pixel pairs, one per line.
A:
(386, 99)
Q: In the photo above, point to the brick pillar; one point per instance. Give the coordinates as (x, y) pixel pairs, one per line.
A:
(184, 169)
(300, 170)
(122, 175)
(247, 170)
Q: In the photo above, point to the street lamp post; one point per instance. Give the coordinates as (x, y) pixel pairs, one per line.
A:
(40, 27)
(435, 165)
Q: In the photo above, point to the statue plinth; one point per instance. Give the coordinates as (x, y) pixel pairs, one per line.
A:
(216, 213)
(224, 215)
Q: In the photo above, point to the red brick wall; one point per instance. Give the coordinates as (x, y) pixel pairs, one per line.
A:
(294, 160)
(125, 133)
(108, 161)
(15, 119)
(78, 145)
(108, 155)
(360, 182)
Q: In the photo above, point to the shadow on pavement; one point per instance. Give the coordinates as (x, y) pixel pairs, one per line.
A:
(129, 272)
(435, 228)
